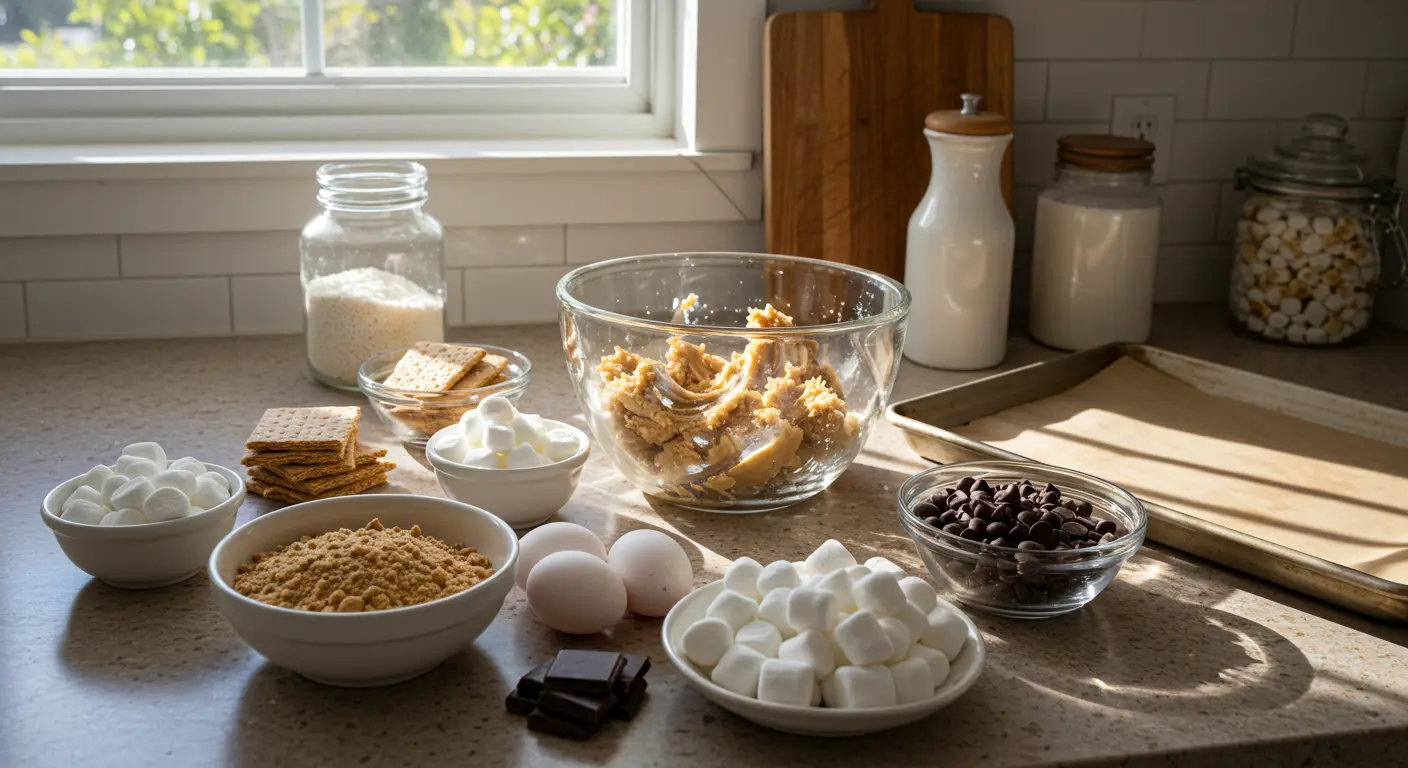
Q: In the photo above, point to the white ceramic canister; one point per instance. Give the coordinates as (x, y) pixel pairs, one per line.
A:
(1096, 244)
(958, 258)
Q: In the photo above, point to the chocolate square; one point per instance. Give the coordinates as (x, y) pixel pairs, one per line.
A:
(591, 672)
(547, 722)
(627, 706)
(519, 705)
(531, 684)
(577, 706)
(632, 671)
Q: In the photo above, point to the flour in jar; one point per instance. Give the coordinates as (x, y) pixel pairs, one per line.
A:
(357, 313)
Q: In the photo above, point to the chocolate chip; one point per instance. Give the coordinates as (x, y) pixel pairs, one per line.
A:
(927, 509)
(997, 530)
(980, 495)
(1066, 514)
(1052, 490)
(964, 517)
(971, 535)
(977, 524)
(1004, 514)
(1083, 508)
(983, 509)
(1043, 534)
(1106, 526)
(1028, 516)
(982, 485)
(934, 521)
(1019, 531)
(954, 529)
(1085, 521)
(1027, 503)
(1075, 529)
(1069, 504)
(948, 517)
(957, 500)
(1062, 537)
(1052, 519)
(1008, 495)
(966, 484)
(1032, 545)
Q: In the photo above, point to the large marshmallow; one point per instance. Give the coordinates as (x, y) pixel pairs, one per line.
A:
(497, 409)
(900, 638)
(919, 592)
(124, 517)
(482, 458)
(523, 457)
(786, 682)
(180, 479)
(190, 464)
(133, 494)
(811, 648)
(498, 437)
(863, 640)
(938, 663)
(472, 428)
(778, 575)
(137, 467)
(209, 493)
(82, 493)
(915, 620)
(880, 594)
(217, 477)
(110, 487)
(705, 641)
(739, 670)
(761, 636)
(858, 572)
(166, 503)
(838, 583)
(913, 681)
(828, 691)
(773, 610)
(830, 556)
(863, 687)
(946, 632)
(149, 451)
(527, 432)
(811, 608)
(878, 564)
(561, 445)
(84, 512)
(742, 577)
(733, 608)
(95, 477)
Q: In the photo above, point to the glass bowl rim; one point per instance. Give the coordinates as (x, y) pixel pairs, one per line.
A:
(1089, 555)
(890, 315)
(371, 387)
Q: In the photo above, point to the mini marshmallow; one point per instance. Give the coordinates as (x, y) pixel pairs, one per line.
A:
(811, 648)
(742, 577)
(862, 687)
(778, 575)
(938, 663)
(761, 636)
(133, 494)
(946, 632)
(496, 409)
(498, 437)
(561, 445)
(1323, 225)
(734, 608)
(190, 464)
(95, 477)
(522, 457)
(878, 564)
(705, 641)
(862, 639)
(830, 556)
(738, 670)
(124, 517)
(900, 638)
(811, 608)
(482, 458)
(149, 451)
(913, 681)
(111, 485)
(180, 479)
(838, 583)
(786, 682)
(914, 619)
(217, 477)
(135, 466)
(919, 592)
(84, 512)
(774, 610)
(526, 432)
(209, 493)
(166, 503)
(880, 594)
(82, 493)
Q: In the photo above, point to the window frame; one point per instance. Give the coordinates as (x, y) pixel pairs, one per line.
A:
(633, 100)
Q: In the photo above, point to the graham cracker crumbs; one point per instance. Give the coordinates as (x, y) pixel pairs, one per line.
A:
(370, 569)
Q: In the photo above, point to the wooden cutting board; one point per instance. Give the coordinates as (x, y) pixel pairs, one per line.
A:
(845, 95)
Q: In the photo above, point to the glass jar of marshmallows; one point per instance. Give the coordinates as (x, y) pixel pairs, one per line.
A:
(1309, 257)
(373, 268)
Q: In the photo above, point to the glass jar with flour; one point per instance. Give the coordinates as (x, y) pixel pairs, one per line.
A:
(1096, 244)
(373, 268)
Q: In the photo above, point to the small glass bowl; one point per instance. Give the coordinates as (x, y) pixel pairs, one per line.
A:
(413, 416)
(1023, 584)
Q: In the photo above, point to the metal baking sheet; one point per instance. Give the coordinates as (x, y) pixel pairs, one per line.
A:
(926, 422)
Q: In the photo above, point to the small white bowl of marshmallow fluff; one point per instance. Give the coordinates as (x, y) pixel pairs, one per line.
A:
(517, 466)
(146, 521)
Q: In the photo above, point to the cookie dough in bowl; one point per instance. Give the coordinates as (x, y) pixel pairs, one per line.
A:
(731, 382)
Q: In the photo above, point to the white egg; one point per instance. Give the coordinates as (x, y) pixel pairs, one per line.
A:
(576, 592)
(554, 537)
(655, 570)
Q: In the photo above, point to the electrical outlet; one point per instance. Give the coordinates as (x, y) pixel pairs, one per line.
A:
(1149, 118)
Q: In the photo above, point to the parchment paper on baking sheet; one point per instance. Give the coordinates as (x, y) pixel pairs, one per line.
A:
(1318, 490)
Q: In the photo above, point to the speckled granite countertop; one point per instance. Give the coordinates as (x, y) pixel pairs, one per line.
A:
(1178, 663)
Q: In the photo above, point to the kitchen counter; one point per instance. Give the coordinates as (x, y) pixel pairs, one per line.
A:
(1180, 662)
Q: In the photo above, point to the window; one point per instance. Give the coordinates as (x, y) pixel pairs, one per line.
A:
(76, 71)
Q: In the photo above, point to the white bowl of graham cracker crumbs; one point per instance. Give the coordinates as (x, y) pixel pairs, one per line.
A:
(367, 607)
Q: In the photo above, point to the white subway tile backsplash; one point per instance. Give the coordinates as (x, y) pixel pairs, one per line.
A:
(88, 309)
(1212, 151)
(1351, 29)
(209, 253)
(1029, 91)
(1218, 29)
(596, 242)
(267, 303)
(454, 297)
(1229, 211)
(1034, 148)
(58, 258)
(1257, 90)
(12, 323)
(1084, 90)
(504, 246)
(1189, 213)
(1043, 29)
(1192, 273)
(509, 295)
(1387, 94)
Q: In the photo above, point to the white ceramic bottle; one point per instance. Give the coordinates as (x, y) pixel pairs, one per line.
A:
(958, 258)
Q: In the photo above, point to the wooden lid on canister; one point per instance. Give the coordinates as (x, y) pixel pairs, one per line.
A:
(969, 121)
(1102, 152)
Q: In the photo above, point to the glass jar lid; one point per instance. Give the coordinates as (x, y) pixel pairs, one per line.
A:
(1321, 162)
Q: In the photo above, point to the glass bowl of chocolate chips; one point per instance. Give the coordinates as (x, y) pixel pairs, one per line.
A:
(1021, 539)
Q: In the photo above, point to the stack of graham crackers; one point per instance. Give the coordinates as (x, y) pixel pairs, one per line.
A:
(441, 369)
(302, 454)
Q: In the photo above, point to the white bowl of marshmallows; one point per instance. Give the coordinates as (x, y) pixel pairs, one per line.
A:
(145, 521)
(824, 647)
(518, 466)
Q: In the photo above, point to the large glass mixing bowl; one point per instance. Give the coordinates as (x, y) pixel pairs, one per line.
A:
(731, 382)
